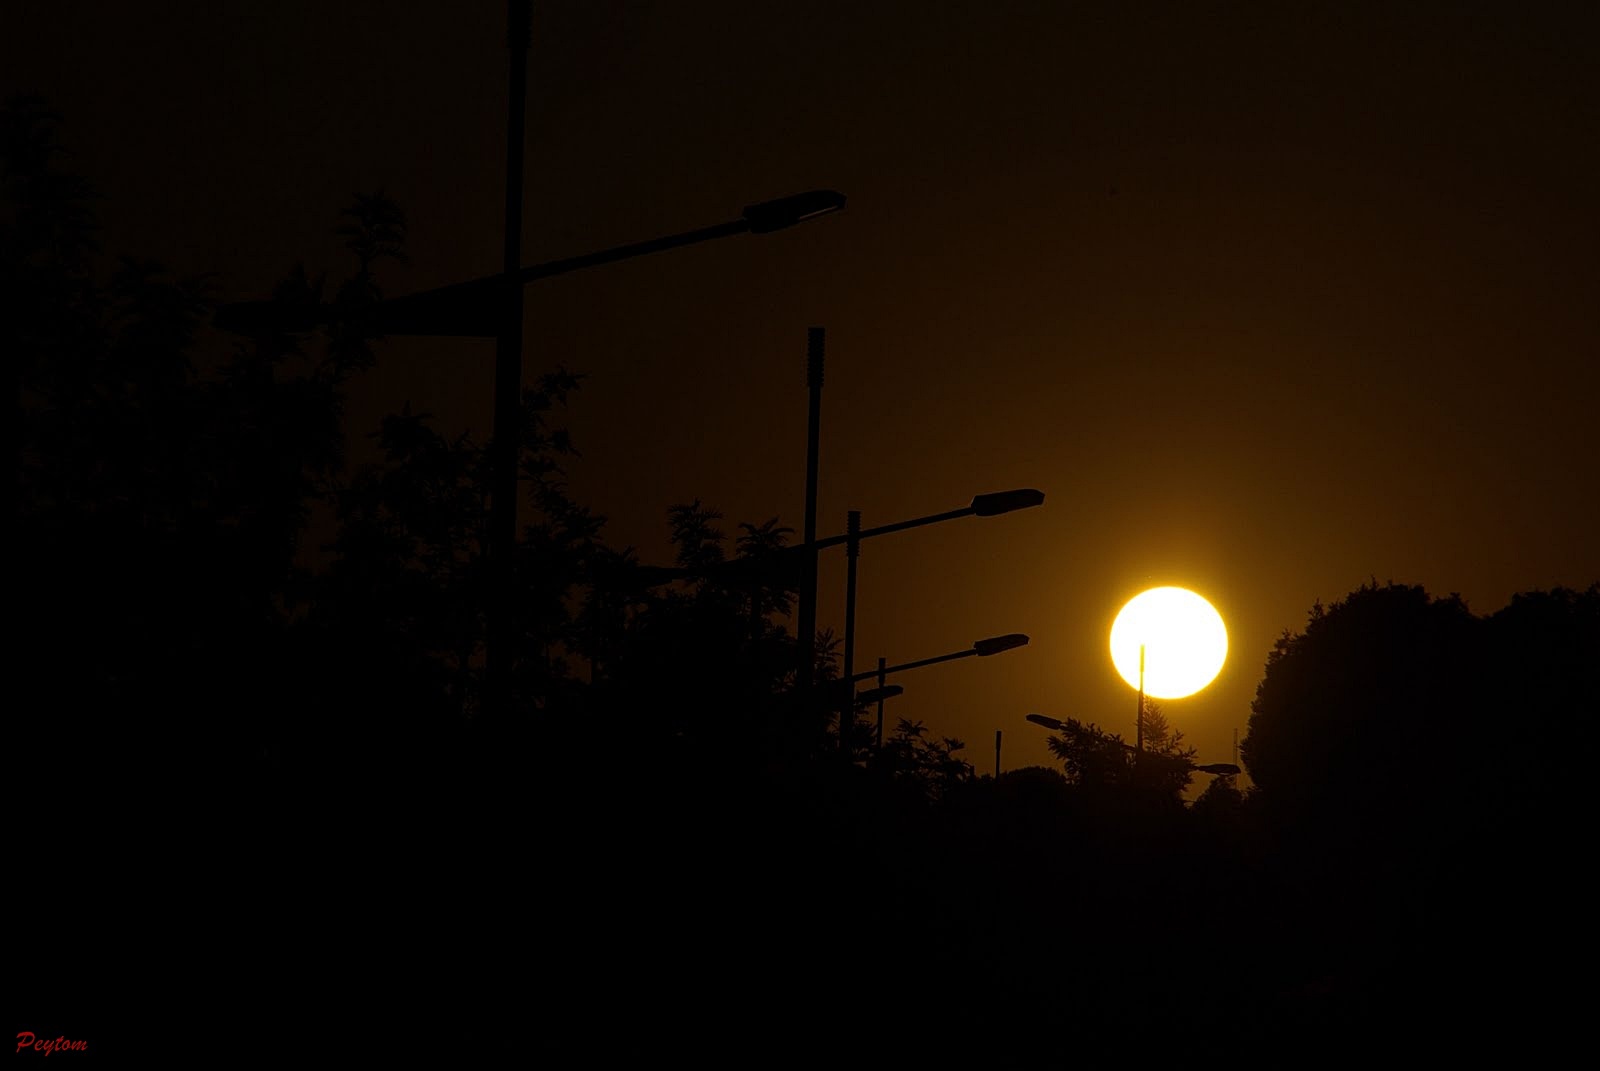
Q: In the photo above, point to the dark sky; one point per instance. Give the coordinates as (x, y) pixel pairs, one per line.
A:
(1269, 300)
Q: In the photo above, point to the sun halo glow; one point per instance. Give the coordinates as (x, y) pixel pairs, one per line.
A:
(1184, 639)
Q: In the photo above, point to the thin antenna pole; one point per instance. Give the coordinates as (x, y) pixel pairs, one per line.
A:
(1138, 731)
(504, 437)
(847, 713)
(806, 626)
(881, 678)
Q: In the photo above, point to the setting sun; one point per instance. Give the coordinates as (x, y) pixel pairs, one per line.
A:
(1184, 640)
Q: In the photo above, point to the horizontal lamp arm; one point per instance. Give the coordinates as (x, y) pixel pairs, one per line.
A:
(476, 308)
(885, 529)
(902, 667)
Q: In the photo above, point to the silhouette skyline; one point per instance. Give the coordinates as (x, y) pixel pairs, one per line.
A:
(1213, 284)
(1291, 309)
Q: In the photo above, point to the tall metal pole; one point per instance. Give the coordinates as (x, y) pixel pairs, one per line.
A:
(882, 675)
(502, 539)
(997, 754)
(806, 626)
(1138, 730)
(847, 712)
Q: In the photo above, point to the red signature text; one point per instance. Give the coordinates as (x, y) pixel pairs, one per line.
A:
(26, 1040)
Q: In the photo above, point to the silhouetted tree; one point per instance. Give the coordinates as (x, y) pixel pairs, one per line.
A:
(399, 606)
(928, 766)
(1425, 816)
(1089, 755)
(1094, 758)
(1376, 707)
(165, 492)
(1545, 647)
(161, 492)
(700, 668)
(768, 596)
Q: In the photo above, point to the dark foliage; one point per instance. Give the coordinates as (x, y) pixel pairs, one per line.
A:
(1095, 759)
(1386, 701)
(274, 738)
(1422, 772)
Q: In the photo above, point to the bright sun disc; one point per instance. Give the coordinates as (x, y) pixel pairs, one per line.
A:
(1184, 641)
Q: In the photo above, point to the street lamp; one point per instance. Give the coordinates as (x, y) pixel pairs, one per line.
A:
(982, 648)
(993, 645)
(1219, 769)
(491, 307)
(989, 505)
(484, 308)
(473, 309)
(786, 564)
(793, 566)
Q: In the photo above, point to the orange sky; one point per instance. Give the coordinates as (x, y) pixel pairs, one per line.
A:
(1267, 302)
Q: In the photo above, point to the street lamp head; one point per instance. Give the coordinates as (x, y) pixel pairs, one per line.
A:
(996, 644)
(1047, 722)
(1006, 501)
(784, 212)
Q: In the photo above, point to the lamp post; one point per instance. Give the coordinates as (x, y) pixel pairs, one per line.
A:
(883, 672)
(505, 432)
(1138, 719)
(490, 307)
(470, 309)
(797, 564)
(989, 505)
(806, 624)
(876, 695)
(982, 648)
(847, 709)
